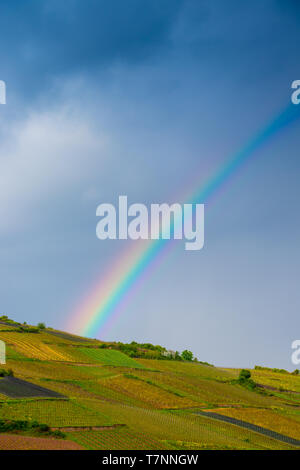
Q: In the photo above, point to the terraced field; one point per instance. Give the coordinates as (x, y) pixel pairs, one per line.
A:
(265, 418)
(108, 400)
(34, 346)
(185, 429)
(55, 413)
(277, 380)
(148, 393)
(110, 357)
(12, 442)
(115, 439)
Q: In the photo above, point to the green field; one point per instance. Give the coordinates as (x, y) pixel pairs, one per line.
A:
(109, 357)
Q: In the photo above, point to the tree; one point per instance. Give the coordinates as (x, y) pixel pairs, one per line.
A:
(41, 326)
(245, 374)
(177, 356)
(187, 355)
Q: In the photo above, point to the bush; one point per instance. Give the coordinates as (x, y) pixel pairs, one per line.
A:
(280, 371)
(245, 380)
(149, 351)
(31, 329)
(41, 326)
(58, 434)
(6, 373)
(244, 374)
(44, 428)
(187, 355)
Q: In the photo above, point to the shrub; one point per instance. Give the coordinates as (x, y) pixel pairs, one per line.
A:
(280, 371)
(245, 380)
(41, 326)
(244, 374)
(31, 426)
(149, 351)
(6, 373)
(31, 329)
(44, 428)
(187, 355)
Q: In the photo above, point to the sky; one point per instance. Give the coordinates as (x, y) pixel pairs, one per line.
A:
(147, 99)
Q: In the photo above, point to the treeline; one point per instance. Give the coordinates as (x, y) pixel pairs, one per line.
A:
(133, 349)
(29, 427)
(280, 371)
(151, 351)
(6, 373)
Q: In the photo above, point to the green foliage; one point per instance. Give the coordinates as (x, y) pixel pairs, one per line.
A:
(24, 425)
(41, 326)
(6, 373)
(244, 374)
(187, 355)
(296, 372)
(29, 329)
(245, 380)
(150, 351)
(177, 356)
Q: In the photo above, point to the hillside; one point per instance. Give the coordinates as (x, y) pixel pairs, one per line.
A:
(101, 398)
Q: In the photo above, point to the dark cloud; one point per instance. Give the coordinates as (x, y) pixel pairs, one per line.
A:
(40, 39)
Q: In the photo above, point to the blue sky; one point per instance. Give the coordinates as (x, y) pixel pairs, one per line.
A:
(137, 98)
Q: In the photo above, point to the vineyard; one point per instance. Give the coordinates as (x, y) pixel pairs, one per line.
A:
(110, 357)
(265, 418)
(115, 440)
(101, 398)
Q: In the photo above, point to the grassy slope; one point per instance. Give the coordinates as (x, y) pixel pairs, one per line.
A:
(154, 401)
(109, 357)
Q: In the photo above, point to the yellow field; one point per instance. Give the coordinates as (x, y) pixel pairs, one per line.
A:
(176, 427)
(264, 418)
(155, 404)
(277, 380)
(34, 346)
(148, 393)
(54, 413)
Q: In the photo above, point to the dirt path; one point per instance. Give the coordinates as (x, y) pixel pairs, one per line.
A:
(251, 427)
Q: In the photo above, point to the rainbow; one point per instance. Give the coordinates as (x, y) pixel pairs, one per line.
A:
(108, 296)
